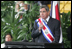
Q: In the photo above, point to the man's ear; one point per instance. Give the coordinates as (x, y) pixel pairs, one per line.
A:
(48, 12)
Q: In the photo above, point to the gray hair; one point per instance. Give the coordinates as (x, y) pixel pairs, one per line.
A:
(44, 6)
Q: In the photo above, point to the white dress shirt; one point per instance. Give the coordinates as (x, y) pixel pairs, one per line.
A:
(3, 45)
(47, 19)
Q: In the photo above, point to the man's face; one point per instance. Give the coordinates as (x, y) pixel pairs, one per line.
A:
(8, 38)
(43, 13)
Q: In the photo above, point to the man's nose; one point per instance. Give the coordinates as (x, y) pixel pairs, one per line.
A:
(42, 13)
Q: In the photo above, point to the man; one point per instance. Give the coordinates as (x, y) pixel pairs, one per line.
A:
(8, 37)
(46, 31)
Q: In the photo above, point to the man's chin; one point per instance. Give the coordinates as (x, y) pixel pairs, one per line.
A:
(43, 18)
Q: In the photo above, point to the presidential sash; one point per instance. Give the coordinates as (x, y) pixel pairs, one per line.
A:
(46, 30)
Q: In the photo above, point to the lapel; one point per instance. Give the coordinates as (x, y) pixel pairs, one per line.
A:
(49, 22)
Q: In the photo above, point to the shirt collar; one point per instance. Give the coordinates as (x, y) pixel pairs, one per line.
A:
(47, 19)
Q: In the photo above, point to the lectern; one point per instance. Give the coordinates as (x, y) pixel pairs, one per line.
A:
(20, 44)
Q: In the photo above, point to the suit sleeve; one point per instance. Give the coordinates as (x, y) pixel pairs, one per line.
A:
(35, 31)
(57, 32)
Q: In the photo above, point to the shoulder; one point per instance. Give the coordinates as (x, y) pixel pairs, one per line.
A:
(54, 20)
(36, 20)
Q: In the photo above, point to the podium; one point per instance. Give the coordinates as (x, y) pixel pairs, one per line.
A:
(20, 44)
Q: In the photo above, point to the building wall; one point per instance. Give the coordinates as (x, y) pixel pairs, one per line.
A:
(64, 6)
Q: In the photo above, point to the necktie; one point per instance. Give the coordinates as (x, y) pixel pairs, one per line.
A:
(45, 21)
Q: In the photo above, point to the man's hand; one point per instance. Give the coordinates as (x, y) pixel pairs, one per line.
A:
(40, 26)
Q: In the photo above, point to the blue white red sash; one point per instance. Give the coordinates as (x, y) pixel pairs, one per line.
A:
(46, 30)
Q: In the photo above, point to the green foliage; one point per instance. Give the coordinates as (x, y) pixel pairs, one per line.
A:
(65, 23)
(10, 24)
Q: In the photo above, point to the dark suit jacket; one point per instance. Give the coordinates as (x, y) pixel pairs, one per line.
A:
(54, 26)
